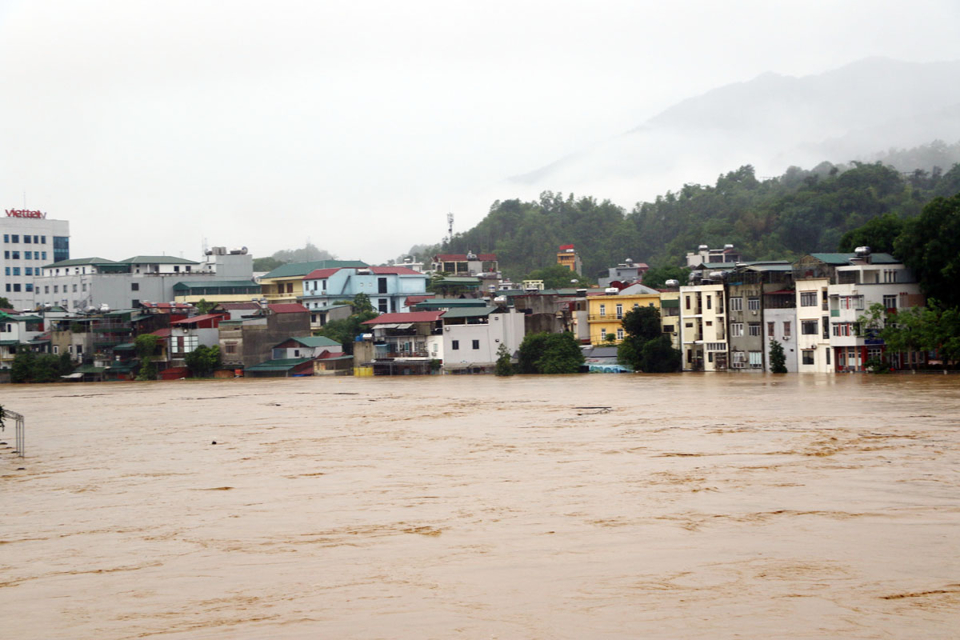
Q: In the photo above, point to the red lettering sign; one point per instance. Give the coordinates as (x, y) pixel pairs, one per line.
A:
(24, 213)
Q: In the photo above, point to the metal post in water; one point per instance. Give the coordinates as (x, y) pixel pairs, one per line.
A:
(19, 430)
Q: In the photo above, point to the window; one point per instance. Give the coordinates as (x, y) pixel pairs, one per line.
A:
(770, 329)
(754, 329)
(688, 301)
(56, 288)
(16, 288)
(807, 355)
(6, 237)
(15, 238)
(56, 350)
(26, 239)
(16, 271)
(851, 302)
(619, 334)
(753, 304)
(739, 359)
(889, 275)
(619, 311)
(455, 345)
(382, 305)
(230, 348)
(808, 327)
(826, 327)
(43, 240)
(736, 329)
(176, 268)
(16, 255)
(134, 286)
(808, 298)
(381, 285)
(476, 344)
(46, 289)
(603, 310)
(709, 301)
(603, 334)
(843, 329)
(786, 329)
(74, 288)
(889, 302)
(43, 254)
(736, 304)
(756, 360)
(28, 287)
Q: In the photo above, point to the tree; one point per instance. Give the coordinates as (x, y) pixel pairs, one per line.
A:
(646, 348)
(929, 328)
(550, 353)
(930, 246)
(879, 234)
(504, 366)
(146, 347)
(557, 276)
(203, 361)
(266, 265)
(656, 277)
(778, 359)
(346, 331)
(4, 303)
(29, 366)
(204, 307)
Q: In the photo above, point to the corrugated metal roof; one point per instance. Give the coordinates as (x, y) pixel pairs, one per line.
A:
(197, 319)
(215, 284)
(413, 316)
(462, 257)
(77, 262)
(315, 341)
(468, 312)
(287, 307)
(294, 269)
(157, 260)
(283, 364)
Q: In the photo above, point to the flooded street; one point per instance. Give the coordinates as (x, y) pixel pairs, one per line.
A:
(687, 506)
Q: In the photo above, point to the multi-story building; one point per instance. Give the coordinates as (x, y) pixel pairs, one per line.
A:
(285, 283)
(780, 325)
(387, 287)
(746, 286)
(670, 314)
(472, 336)
(626, 272)
(30, 241)
(466, 264)
(606, 313)
(860, 285)
(90, 283)
(703, 331)
(568, 257)
(249, 340)
(705, 254)
(16, 330)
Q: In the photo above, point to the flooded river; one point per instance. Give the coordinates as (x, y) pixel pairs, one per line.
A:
(689, 506)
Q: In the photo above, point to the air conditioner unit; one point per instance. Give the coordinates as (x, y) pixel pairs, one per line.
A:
(446, 328)
(324, 292)
(754, 313)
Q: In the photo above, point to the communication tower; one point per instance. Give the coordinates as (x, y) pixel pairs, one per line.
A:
(449, 226)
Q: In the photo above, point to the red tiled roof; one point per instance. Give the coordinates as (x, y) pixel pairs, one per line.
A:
(162, 333)
(412, 300)
(395, 271)
(413, 316)
(564, 247)
(197, 319)
(288, 307)
(317, 274)
(460, 257)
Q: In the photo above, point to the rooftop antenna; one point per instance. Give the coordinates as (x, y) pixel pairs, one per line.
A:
(450, 227)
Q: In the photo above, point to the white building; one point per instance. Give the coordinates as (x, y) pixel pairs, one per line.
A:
(82, 283)
(30, 241)
(473, 335)
(859, 286)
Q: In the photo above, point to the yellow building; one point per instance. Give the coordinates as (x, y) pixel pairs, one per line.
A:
(216, 291)
(670, 315)
(605, 314)
(567, 257)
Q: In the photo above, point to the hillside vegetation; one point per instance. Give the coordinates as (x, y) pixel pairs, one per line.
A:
(776, 218)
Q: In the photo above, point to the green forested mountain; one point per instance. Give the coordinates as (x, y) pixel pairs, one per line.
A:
(776, 218)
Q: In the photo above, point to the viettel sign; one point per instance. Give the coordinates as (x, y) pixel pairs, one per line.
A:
(24, 213)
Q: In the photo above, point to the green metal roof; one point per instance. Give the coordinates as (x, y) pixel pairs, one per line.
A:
(89, 368)
(840, 259)
(283, 364)
(9, 343)
(294, 269)
(315, 341)
(78, 262)
(157, 260)
(118, 367)
(468, 312)
(126, 346)
(13, 318)
(463, 280)
(217, 284)
(446, 303)
(670, 304)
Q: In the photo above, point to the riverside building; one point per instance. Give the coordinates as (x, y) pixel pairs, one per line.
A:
(30, 241)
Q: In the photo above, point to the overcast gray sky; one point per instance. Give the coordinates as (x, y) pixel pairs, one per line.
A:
(359, 125)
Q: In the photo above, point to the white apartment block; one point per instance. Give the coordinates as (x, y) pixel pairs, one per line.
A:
(30, 241)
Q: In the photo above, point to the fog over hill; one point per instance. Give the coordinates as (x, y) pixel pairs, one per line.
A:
(770, 122)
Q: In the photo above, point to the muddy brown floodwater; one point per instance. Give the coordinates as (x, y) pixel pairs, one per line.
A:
(689, 506)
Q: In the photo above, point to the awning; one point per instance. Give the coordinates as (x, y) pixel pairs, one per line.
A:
(72, 376)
